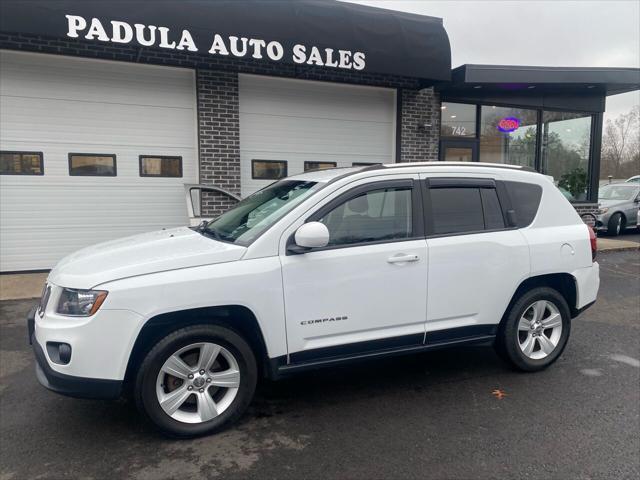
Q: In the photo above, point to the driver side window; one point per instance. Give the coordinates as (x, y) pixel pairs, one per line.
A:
(372, 216)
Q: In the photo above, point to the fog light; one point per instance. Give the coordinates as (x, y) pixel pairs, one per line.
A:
(59, 353)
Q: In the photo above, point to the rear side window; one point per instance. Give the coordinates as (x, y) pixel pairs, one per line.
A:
(525, 200)
(465, 209)
(456, 210)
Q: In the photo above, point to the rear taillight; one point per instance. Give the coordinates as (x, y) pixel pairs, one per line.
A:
(594, 242)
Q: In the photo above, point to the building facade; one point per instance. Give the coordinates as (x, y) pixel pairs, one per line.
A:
(107, 113)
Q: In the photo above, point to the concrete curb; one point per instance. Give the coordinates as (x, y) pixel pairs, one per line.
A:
(620, 249)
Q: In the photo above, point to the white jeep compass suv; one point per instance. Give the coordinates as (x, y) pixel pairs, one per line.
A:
(316, 270)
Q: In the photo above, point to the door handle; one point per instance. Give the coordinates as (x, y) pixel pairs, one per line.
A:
(403, 258)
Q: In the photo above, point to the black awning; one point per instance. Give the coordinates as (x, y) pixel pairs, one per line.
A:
(574, 88)
(389, 42)
(577, 80)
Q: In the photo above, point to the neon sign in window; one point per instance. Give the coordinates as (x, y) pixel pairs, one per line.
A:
(508, 124)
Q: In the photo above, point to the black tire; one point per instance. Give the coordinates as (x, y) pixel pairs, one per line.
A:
(145, 385)
(615, 225)
(507, 342)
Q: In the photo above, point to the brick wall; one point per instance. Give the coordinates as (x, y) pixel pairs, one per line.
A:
(584, 208)
(420, 125)
(219, 137)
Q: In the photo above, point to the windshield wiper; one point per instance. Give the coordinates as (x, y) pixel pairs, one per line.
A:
(207, 232)
(211, 232)
(200, 228)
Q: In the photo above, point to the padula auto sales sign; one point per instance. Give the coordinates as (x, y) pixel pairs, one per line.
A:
(119, 32)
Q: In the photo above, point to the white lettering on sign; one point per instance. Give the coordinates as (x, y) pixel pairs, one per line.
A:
(459, 130)
(240, 47)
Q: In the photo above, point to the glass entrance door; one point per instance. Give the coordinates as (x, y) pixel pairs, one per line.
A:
(458, 151)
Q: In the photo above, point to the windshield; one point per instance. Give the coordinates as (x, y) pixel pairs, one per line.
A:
(618, 192)
(256, 213)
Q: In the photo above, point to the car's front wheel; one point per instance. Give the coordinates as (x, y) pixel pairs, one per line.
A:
(615, 225)
(535, 330)
(196, 380)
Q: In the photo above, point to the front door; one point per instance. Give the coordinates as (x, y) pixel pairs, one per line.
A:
(367, 290)
(459, 150)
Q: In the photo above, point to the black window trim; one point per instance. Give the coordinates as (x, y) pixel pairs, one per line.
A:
(21, 152)
(112, 155)
(417, 214)
(286, 168)
(333, 165)
(453, 182)
(169, 157)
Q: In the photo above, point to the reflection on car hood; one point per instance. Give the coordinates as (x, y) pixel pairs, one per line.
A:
(139, 255)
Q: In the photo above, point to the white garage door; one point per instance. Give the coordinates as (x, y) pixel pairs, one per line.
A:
(60, 105)
(298, 121)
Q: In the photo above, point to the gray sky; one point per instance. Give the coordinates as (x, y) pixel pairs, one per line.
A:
(549, 33)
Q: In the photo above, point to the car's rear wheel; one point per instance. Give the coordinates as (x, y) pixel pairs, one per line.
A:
(196, 380)
(535, 331)
(615, 225)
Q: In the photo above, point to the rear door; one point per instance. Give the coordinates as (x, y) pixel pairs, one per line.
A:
(475, 260)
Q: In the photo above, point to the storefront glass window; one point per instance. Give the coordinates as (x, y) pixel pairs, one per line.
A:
(458, 120)
(508, 135)
(566, 142)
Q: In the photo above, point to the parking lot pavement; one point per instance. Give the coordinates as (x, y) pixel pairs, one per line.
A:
(432, 415)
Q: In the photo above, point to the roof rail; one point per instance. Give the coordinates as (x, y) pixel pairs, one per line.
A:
(457, 164)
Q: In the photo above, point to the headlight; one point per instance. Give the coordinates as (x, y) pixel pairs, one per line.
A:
(80, 303)
(603, 210)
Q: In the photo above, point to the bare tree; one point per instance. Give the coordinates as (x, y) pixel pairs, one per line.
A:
(621, 144)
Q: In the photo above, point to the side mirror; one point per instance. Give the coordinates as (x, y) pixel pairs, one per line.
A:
(312, 235)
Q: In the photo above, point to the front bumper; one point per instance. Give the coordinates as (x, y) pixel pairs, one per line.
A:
(70, 385)
(602, 222)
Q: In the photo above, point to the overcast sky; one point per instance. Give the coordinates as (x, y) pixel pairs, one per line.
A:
(549, 33)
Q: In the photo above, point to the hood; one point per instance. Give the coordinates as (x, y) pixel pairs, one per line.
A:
(139, 255)
(613, 203)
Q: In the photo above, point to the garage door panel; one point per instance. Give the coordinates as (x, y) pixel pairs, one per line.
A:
(36, 229)
(317, 135)
(292, 98)
(297, 121)
(93, 81)
(27, 119)
(60, 105)
(56, 165)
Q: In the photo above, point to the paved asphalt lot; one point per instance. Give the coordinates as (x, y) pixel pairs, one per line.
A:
(427, 416)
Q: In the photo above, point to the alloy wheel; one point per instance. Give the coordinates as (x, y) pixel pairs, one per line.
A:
(198, 382)
(539, 329)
